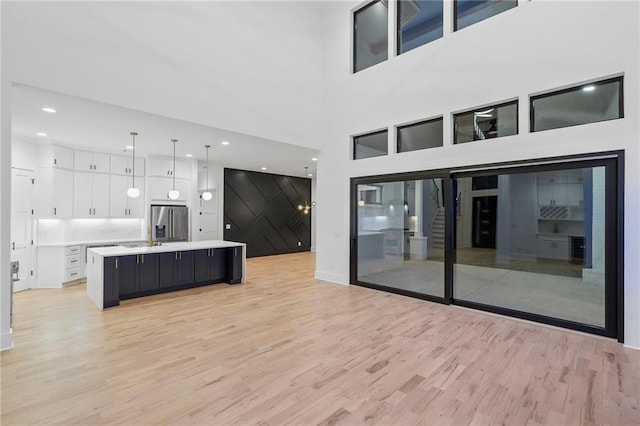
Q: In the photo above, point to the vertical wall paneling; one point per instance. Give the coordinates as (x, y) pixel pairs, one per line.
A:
(261, 210)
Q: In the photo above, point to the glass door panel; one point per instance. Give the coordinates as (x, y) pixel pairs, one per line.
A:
(534, 243)
(400, 236)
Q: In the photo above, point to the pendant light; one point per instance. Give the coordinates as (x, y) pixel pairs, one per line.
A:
(173, 194)
(133, 192)
(305, 209)
(206, 195)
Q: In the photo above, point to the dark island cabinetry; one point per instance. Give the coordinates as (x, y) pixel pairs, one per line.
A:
(234, 265)
(130, 276)
(210, 265)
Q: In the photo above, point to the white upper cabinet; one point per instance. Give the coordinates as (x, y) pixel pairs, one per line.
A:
(123, 165)
(160, 188)
(163, 167)
(86, 161)
(121, 205)
(56, 156)
(91, 195)
(54, 189)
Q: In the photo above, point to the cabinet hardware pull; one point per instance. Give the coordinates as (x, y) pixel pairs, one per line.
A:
(74, 261)
(180, 255)
(125, 212)
(13, 246)
(55, 161)
(89, 211)
(176, 255)
(142, 255)
(137, 258)
(116, 263)
(54, 211)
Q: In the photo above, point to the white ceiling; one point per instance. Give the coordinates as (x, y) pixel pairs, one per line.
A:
(200, 72)
(95, 125)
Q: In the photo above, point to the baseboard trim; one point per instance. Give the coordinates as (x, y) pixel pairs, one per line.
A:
(631, 347)
(331, 277)
(6, 341)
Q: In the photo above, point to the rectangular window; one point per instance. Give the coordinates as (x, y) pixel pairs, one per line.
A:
(419, 22)
(486, 123)
(370, 145)
(587, 103)
(423, 135)
(370, 35)
(468, 12)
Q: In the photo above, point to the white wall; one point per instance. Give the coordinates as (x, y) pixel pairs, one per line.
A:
(248, 66)
(533, 48)
(6, 341)
(24, 153)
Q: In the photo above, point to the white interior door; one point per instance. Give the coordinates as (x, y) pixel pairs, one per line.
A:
(22, 225)
(209, 217)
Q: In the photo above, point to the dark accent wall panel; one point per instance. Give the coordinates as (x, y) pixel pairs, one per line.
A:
(262, 209)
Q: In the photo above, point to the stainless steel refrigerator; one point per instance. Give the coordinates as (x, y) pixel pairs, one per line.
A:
(169, 223)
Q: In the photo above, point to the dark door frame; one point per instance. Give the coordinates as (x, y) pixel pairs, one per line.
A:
(613, 161)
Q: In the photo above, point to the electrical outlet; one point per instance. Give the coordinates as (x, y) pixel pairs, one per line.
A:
(299, 244)
(227, 226)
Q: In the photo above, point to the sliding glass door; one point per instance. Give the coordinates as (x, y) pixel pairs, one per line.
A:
(400, 236)
(540, 242)
(534, 241)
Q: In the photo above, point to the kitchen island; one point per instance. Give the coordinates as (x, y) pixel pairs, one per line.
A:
(124, 272)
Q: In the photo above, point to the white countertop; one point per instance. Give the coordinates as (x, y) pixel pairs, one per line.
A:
(87, 243)
(165, 247)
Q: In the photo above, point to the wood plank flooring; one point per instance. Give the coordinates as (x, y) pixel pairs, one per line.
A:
(288, 349)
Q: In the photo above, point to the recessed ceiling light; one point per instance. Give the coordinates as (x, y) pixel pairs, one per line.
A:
(129, 147)
(41, 134)
(189, 155)
(47, 109)
(314, 159)
(589, 88)
(263, 168)
(225, 142)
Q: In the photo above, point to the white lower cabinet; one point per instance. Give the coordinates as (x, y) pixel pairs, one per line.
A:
(90, 195)
(121, 204)
(553, 247)
(59, 265)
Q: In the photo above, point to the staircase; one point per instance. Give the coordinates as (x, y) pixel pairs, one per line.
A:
(437, 229)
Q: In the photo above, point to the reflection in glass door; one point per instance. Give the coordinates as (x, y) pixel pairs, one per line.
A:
(400, 236)
(549, 255)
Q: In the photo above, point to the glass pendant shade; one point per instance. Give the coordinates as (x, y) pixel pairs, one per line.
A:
(173, 194)
(133, 192)
(207, 196)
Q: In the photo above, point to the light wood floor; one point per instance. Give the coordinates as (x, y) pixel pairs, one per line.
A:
(288, 349)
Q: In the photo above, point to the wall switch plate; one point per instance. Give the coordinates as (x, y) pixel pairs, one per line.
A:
(227, 226)
(299, 244)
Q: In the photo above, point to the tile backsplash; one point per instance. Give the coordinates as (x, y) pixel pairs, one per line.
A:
(71, 230)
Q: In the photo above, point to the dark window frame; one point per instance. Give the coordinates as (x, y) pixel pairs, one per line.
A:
(377, 132)
(418, 123)
(502, 104)
(614, 225)
(399, 31)
(532, 99)
(455, 16)
(354, 31)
